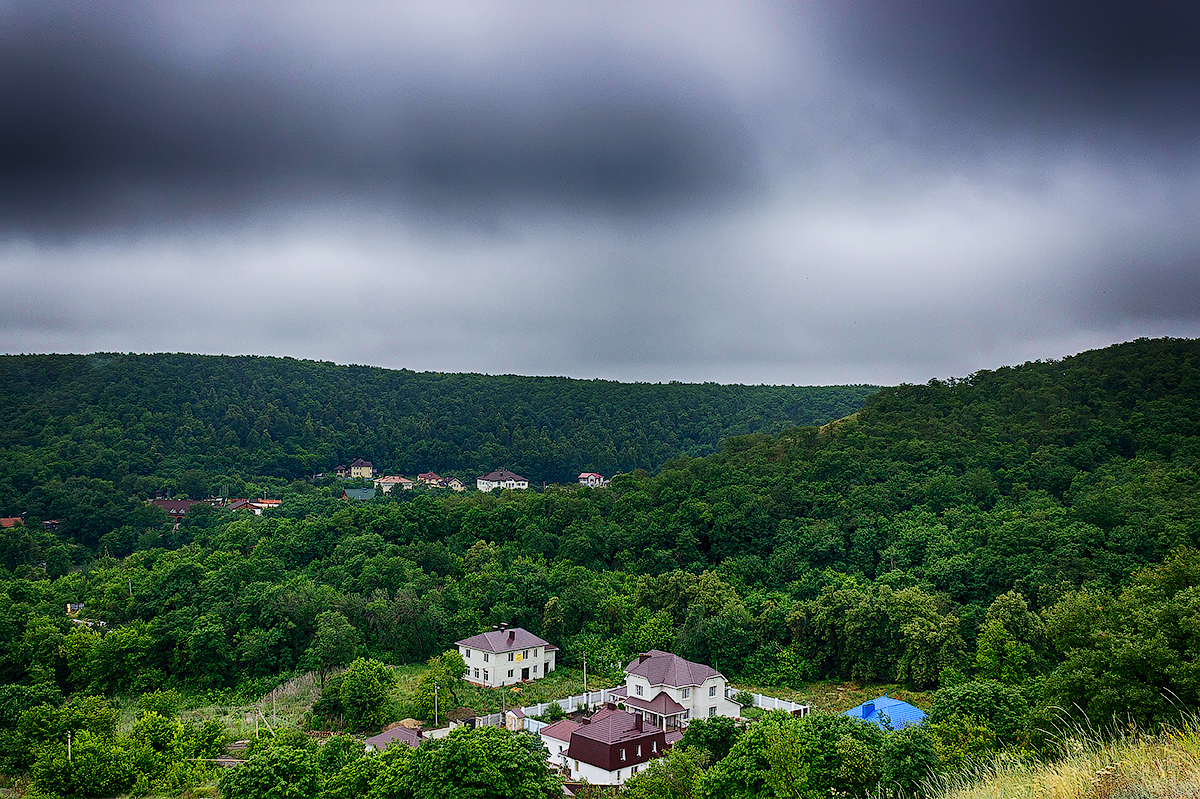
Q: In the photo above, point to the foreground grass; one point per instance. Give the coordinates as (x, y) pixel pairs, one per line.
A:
(1131, 765)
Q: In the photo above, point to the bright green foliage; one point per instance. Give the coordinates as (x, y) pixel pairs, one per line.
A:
(1003, 708)
(164, 703)
(366, 694)
(959, 738)
(277, 773)
(673, 776)
(445, 673)
(337, 752)
(98, 767)
(714, 736)
(354, 779)
(907, 758)
(485, 763)
(335, 643)
(781, 755)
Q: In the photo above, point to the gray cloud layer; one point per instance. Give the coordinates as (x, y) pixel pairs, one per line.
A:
(850, 192)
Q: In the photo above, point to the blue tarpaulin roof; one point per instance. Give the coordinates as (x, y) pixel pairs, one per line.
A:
(899, 714)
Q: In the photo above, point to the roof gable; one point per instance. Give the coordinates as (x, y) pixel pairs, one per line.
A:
(663, 668)
(503, 640)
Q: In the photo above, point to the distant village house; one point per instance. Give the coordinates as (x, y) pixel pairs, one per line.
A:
(386, 484)
(592, 480)
(501, 478)
(361, 470)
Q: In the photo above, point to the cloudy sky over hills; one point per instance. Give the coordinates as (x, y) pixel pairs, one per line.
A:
(825, 192)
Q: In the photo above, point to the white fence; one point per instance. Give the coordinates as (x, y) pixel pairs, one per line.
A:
(770, 702)
(569, 705)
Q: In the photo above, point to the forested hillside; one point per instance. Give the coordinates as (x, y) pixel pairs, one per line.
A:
(120, 418)
(1020, 539)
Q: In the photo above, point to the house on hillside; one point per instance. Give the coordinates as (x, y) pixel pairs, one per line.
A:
(362, 470)
(592, 480)
(506, 656)
(454, 484)
(11, 521)
(501, 478)
(386, 484)
(670, 691)
(607, 748)
(360, 494)
(176, 508)
(887, 713)
(429, 478)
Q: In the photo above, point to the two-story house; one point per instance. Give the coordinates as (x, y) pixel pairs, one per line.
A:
(505, 656)
(670, 691)
(361, 469)
(501, 478)
(606, 748)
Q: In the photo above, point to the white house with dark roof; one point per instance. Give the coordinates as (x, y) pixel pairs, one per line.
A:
(501, 478)
(670, 691)
(608, 747)
(506, 656)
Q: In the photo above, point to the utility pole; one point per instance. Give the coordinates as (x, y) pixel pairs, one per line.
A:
(435, 705)
(68, 744)
(585, 673)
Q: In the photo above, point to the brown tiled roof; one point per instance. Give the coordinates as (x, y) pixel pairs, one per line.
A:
(662, 704)
(560, 730)
(396, 734)
(501, 475)
(611, 726)
(11, 521)
(663, 668)
(502, 641)
(360, 462)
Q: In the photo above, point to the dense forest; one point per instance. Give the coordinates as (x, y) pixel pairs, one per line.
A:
(144, 420)
(1021, 540)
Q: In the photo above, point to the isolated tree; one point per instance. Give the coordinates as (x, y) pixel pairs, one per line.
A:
(335, 644)
(366, 694)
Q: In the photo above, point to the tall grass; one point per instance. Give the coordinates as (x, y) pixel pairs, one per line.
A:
(1117, 763)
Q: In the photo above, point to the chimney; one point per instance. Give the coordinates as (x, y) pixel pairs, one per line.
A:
(637, 722)
(868, 709)
(585, 720)
(642, 658)
(611, 705)
(512, 634)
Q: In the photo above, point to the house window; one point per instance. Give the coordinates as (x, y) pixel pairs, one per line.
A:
(712, 690)
(468, 653)
(632, 770)
(510, 671)
(511, 654)
(525, 655)
(639, 750)
(485, 675)
(622, 754)
(686, 714)
(485, 657)
(535, 668)
(712, 711)
(687, 692)
(653, 747)
(638, 688)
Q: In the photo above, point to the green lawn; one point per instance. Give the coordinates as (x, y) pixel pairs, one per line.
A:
(831, 697)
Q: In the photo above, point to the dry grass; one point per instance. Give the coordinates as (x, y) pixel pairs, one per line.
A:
(284, 706)
(1130, 765)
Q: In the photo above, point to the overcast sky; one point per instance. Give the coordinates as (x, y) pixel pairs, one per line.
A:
(837, 191)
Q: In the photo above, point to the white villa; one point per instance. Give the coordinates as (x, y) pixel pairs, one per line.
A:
(506, 656)
(669, 691)
(501, 478)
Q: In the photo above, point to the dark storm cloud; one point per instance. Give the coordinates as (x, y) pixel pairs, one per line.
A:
(858, 191)
(105, 121)
(1049, 66)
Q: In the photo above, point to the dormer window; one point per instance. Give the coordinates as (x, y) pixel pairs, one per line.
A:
(638, 688)
(687, 692)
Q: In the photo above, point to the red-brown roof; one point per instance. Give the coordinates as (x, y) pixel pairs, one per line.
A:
(394, 735)
(663, 668)
(503, 640)
(500, 475)
(662, 704)
(560, 730)
(11, 521)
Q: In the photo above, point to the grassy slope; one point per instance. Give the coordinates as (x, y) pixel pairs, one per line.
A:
(1133, 766)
